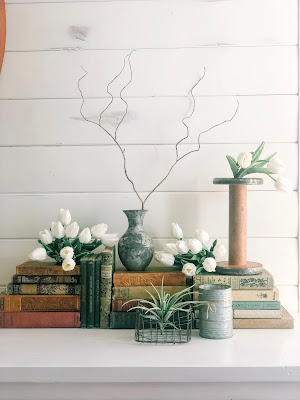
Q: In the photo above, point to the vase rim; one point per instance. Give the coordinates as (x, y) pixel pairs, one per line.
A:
(135, 210)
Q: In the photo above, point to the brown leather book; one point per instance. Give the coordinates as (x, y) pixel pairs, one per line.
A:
(39, 319)
(119, 305)
(44, 268)
(39, 302)
(123, 278)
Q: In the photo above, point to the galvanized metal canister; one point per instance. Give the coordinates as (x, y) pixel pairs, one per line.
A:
(216, 315)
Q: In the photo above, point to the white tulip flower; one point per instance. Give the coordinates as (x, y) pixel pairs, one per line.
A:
(64, 216)
(85, 236)
(283, 185)
(68, 264)
(171, 248)
(72, 230)
(276, 166)
(164, 258)
(46, 236)
(177, 232)
(219, 251)
(195, 246)
(67, 252)
(182, 247)
(38, 254)
(244, 159)
(189, 269)
(99, 230)
(109, 239)
(202, 235)
(210, 264)
(57, 230)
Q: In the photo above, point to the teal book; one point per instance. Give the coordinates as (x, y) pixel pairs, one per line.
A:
(256, 305)
(90, 290)
(122, 320)
(97, 291)
(83, 294)
(106, 279)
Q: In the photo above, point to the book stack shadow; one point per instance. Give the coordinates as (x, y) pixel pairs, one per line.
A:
(41, 295)
(255, 300)
(131, 285)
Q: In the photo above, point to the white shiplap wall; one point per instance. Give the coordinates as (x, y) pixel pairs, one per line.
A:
(50, 158)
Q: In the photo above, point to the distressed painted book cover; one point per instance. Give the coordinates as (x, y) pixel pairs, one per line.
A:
(262, 281)
(46, 289)
(107, 269)
(38, 302)
(252, 295)
(97, 291)
(140, 292)
(90, 266)
(257, 314)
(122, 305)
(44, 268)
(39, 319)
(83, 293)
(122, 320)
(45, 279)
(256, 305)
(152, 276)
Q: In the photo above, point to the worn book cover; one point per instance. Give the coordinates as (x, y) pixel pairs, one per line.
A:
(97, 291)
(251, 295)
(36, 302)
(286, 322)
(83, 293)
(261, 281)
(152, 276)
(256, 305)
(45, 279)
(122, 320)
(39, 319)
(257, 314)
(49, 289)
(123, 305)
(90, 266)
(106, 274)
(140, 292)
(44, 268)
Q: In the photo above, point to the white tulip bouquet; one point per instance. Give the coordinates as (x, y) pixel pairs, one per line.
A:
(63, 243)
(192, 255)
(250, 163)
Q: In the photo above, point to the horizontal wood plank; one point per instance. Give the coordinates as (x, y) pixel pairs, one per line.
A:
(245, 71)
(149, 120)
(100, 168)
(270, 214)
(267, 251)
(123, 25)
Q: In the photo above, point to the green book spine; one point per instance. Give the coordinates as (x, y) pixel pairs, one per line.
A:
(256, 305)
(83, 295)
(107, 269)
(97, 292)
(90, 292)
(122, 320)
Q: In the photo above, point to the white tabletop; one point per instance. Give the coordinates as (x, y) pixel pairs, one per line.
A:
(92, 355)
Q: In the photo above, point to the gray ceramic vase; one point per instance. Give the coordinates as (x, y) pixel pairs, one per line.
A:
(135, 247)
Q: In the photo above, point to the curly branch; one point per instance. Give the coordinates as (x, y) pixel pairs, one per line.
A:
(99, 124)
(192, 151)
(191, 114)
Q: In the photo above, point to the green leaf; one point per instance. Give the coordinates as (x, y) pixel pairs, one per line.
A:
(233, 165)
(255, 170)
(261, 163)
(258, 152)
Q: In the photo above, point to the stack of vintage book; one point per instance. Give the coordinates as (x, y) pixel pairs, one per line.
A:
(41, 295)
(255, 300)
(96, 287)
(130, 285)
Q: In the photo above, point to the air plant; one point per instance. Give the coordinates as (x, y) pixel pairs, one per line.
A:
(161, 309)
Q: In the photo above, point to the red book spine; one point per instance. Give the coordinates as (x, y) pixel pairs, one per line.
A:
(39, 319)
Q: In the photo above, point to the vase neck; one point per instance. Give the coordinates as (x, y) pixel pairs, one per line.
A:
(135, 217)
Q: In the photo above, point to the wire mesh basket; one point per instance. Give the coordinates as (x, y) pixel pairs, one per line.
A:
(177, 330)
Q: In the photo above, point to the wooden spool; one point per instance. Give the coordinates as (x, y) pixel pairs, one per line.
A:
(238, 264)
